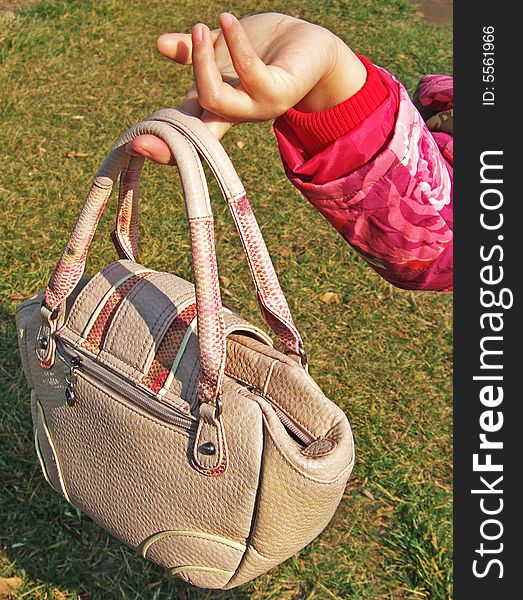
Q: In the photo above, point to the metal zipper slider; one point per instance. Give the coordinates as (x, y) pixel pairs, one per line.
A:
(70, 380)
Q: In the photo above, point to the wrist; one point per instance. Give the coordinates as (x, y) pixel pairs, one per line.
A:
(345, 76)
(317, 130)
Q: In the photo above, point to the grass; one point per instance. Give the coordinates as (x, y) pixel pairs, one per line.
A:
(72, 76)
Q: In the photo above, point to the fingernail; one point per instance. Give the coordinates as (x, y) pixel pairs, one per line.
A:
(144, 151)
(226, 19)
(197, 33)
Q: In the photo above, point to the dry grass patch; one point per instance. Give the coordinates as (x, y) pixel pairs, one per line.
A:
(72, 76)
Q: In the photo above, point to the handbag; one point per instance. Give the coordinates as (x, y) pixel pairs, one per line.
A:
(168, 419)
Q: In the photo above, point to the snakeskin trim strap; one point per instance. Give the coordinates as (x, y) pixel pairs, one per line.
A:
(273, 304)
(95, 338)
(71, 265)
(168, 350)
(211, 326)
(271, 298)
(125, 235)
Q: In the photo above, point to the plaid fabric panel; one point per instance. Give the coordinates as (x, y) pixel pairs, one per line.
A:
(168, 350)
(96, 337)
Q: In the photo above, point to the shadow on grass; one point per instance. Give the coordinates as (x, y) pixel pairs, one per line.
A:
(45, 537)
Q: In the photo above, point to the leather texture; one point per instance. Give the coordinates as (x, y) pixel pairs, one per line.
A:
(270, 295)
(171, 421)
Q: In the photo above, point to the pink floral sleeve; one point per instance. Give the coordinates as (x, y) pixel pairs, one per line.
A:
(395, 206)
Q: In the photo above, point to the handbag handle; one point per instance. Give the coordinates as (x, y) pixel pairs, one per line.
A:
(211, 328)
(271, 299)
(70, 267)
(71, 264)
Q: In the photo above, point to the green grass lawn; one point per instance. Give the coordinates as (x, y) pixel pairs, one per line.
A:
(73, 75)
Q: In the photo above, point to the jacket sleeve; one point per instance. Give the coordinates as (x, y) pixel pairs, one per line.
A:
(376, 173)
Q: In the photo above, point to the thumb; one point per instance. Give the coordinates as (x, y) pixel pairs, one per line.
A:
(175, 46)
(178, 46)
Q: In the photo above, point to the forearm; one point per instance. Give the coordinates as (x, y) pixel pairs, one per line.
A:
(382, 182)
(316, 131)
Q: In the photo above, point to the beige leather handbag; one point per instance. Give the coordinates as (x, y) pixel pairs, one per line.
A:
(164, 416)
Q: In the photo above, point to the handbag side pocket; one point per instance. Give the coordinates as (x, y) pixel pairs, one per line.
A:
(45, 449)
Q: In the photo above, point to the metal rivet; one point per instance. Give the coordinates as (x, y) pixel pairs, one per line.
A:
(208, 448)
(44, 343)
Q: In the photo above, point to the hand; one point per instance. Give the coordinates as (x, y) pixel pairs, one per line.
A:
(255, 70)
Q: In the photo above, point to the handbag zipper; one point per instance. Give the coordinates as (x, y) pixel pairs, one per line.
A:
(295, 428)
(292, 426)
(78, 361)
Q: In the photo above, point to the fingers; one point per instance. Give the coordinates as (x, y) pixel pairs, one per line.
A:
(213, 93)
(191, 103)
(230, 101)
(208, 78)
(217, 103)
(151, 147)
(178, 46)
(250, 68)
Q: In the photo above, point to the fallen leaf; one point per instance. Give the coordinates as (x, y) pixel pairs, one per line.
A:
(18, 297)
(74, 154)
(9, 585)
(240, 144)
(330, 298)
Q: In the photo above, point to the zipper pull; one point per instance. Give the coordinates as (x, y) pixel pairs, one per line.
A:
(70, 380)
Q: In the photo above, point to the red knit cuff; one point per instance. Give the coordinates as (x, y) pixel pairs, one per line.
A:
(317, 130)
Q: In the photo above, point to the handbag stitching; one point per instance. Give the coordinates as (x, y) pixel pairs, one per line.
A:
(192, 388)
(158, 325)
(299, 472)
(238, 378)
(119, 365)
(156, 537)
(179, 301)
(158, 369)
(82, 298)
(122, 320)
(96, 330)
(114, 398)
(124, 307)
